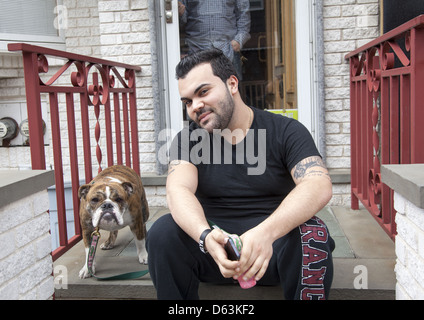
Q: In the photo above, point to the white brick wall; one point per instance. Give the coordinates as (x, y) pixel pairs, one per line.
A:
(409, 250)
(125, 37)
(11, 77)
(82, 34)
(348, 24)
(25, 261)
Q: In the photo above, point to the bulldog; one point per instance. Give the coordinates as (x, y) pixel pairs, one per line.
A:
(111, 201)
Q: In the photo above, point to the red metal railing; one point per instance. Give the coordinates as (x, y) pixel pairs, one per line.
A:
(387, 114)
(89, 87)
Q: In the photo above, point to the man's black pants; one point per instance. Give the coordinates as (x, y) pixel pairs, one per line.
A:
(301, 263)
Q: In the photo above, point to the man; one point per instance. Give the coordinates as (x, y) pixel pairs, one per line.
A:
(222, 24)
(272, 208)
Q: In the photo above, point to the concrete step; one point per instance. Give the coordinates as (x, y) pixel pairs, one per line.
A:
(364, 262)
(143, 288)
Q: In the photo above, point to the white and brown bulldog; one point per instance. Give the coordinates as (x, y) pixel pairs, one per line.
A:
(111, 201)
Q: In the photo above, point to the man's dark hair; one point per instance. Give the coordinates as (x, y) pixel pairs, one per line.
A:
(222, 67)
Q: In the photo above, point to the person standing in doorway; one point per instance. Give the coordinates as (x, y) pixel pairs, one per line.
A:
(221, 24)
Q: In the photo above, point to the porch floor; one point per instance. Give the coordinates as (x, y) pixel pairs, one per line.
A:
(364, 257)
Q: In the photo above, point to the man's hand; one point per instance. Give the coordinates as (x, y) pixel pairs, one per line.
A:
(181, 8)
(255, 254)
(235, 45)
(215, 242)
(312, 192)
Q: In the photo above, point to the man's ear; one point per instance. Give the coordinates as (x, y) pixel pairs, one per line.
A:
(83, 190)
(233, 83)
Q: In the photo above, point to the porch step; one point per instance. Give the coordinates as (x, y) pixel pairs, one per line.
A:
(364, 258)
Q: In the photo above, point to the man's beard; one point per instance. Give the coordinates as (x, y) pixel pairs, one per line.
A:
(219, 120)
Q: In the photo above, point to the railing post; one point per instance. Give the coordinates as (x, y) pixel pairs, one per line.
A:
(134, 121)
(354, 144)
(31, 66)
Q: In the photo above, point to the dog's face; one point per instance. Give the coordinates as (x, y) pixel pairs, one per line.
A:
(107, 204)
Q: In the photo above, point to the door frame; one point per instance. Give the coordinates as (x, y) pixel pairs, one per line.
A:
(171, 47)
(310, 79)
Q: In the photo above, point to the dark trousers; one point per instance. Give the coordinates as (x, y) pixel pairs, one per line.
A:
(301, 262)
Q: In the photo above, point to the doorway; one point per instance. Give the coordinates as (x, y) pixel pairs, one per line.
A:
(279, 70)
(269, 71)
(268, 58)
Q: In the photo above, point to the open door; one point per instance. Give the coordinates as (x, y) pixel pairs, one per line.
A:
(281, 56)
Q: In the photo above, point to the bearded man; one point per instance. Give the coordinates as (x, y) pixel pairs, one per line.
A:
(272, 210)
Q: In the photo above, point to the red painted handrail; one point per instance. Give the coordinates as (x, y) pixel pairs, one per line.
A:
(387, 114)
(88, 84)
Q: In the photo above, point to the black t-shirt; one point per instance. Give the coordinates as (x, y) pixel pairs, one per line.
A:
(240, 185)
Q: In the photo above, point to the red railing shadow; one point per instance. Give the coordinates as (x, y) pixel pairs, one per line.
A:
(82, 83)
(387, 114)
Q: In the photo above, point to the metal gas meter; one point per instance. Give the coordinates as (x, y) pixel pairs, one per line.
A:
(8, 130)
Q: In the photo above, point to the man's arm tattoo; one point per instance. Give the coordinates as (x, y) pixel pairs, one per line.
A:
(172, 165)
(310, 167)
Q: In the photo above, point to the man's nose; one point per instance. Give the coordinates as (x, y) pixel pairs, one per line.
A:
(198, 105)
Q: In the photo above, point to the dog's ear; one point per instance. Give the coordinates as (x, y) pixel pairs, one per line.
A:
(128, 187)
(83, 190)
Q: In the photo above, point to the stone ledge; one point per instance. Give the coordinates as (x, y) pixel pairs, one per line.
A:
(153, 180)
(339, 176)
(407, 180)
(18, 184)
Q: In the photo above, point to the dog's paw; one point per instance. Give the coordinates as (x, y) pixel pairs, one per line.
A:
(143, 258)
(84, 273)
(106, 246)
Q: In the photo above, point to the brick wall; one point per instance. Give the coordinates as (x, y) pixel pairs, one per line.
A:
(348, 24)
(82, 34)
(409, 249)
(25, 260)
(11, 77)
(407, 182)
(12, 87)
(125, 37)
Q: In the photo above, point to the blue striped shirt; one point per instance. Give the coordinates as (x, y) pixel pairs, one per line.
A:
(215, 23)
